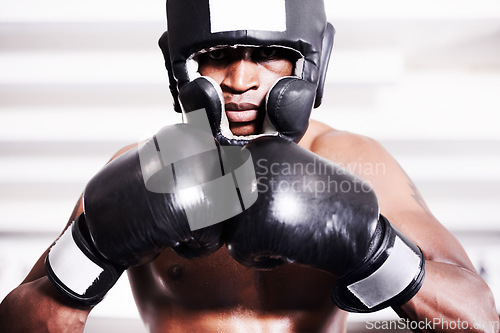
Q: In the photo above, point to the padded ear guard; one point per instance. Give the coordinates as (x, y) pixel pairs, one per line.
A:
(291, 100)
(202, 94)
(163, 44)
(289, 106)
(326, 52)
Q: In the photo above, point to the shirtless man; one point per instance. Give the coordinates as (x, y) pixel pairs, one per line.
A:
(215, 293)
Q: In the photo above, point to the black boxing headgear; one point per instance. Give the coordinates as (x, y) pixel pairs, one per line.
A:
(198, 26)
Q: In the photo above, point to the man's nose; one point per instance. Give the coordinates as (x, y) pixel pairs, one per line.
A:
(242, 75)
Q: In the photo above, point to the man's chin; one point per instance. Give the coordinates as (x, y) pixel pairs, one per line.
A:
(244, 129)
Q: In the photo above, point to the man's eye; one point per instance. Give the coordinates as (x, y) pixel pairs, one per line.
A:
(268, 52)
(216, 55)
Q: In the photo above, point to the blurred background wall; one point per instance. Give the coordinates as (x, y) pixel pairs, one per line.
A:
(79, 80)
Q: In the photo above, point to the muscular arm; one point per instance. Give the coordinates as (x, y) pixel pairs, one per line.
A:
(452, 289)
(37, 306)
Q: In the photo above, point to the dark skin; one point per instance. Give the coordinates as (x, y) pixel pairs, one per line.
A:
(216, 294)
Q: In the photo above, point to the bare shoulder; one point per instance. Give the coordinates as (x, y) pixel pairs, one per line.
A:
(340, 146)
(399, 199)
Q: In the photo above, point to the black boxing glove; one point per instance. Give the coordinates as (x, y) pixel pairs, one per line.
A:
(169, 192)
(311, 211)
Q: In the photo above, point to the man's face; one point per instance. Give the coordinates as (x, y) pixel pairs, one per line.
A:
(245, 75)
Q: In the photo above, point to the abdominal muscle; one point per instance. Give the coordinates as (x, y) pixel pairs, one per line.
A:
(216, 294)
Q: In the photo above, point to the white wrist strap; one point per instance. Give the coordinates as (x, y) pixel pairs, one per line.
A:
(390, 279)
(71, 266)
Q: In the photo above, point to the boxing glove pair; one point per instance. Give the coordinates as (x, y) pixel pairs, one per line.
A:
(290, 205)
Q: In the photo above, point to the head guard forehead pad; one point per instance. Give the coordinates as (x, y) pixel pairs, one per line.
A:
(196, 26)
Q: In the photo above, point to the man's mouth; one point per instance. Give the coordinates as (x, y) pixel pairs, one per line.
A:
(242, 112)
